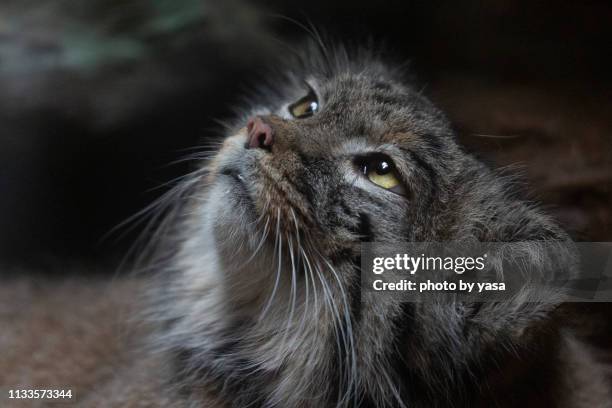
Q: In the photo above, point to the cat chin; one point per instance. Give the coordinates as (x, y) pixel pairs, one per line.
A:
(229, 220)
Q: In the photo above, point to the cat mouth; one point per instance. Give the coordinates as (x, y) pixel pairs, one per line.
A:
(239, 192)
(236, 179)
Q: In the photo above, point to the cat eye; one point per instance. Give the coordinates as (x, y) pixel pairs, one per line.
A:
(381, 171)
(306, 106)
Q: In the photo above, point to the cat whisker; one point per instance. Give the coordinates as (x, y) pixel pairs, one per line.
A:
(262, 240)
(278, 245)
(299, 250)
(292, 301)
(166, 208)
(341, 338)
(340, 335)
(352, 360)
(393, 388)
(494, 136)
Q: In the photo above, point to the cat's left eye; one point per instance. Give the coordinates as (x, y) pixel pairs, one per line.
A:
(381, 171)
(306, 106)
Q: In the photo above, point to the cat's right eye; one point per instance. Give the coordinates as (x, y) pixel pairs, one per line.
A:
(380, 170)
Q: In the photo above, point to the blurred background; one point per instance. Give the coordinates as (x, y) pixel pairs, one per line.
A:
(98, 97)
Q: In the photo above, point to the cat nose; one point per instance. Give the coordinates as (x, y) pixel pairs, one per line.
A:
(260, 134)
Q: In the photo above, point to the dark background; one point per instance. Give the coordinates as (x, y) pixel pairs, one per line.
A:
(98, 97)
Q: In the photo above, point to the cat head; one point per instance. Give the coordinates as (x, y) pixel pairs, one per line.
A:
(343, 152)
(342, 149)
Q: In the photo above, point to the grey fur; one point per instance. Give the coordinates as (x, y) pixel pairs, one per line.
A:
(259, 297)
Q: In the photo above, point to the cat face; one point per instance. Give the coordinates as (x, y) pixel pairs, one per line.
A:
(343, 159)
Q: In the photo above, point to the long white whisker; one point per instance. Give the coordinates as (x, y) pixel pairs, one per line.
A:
(278, 269)
(337, 326)
(292, 297)
(262, 240)
(349, 329)
(305, 306)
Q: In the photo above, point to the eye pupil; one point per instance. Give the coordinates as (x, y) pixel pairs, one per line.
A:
(383, 167)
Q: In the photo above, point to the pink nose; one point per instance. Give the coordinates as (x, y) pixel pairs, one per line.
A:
(260, 134)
